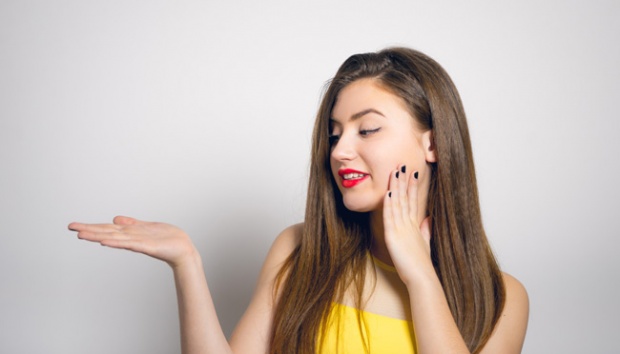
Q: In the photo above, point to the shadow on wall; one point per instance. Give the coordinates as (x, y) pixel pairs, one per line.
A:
(233, 248)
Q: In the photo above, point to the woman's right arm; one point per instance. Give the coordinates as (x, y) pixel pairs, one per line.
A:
(200, 328)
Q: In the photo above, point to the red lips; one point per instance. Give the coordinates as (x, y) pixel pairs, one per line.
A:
(353, 177)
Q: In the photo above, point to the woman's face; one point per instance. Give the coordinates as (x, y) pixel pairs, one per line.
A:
(373, 134)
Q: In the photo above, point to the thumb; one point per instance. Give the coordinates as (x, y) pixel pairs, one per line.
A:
(124, 220)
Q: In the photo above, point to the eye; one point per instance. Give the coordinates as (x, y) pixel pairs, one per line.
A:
(366, 132)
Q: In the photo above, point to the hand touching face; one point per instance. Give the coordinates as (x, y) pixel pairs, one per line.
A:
(372, 134)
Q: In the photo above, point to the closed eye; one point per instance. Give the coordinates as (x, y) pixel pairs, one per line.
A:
(366, 132)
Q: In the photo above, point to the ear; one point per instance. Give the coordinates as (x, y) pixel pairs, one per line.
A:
(428, 143)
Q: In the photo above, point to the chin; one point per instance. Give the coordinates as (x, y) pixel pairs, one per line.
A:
(361, 206)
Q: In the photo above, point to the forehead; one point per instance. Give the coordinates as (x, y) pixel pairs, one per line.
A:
(364, 95)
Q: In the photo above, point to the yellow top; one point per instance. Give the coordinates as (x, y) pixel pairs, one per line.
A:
(382, 334)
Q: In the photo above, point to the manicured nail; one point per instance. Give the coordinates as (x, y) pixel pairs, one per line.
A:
(390, 194)
(415, 175)
(396, 174)
(403, 169)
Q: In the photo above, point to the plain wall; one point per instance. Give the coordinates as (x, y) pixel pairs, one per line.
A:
(199, 113)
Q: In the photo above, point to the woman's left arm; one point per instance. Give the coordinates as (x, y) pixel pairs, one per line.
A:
(509, 333)
(436, 331)
(408, 243)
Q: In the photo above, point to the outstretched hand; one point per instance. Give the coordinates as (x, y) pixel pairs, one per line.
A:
(407, 239)
(162, 241)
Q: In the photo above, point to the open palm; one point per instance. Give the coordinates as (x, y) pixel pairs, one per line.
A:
(159, 240)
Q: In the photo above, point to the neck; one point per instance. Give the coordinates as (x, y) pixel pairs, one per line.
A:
(378, 248)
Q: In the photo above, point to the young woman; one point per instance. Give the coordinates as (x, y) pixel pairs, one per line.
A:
(391, 257)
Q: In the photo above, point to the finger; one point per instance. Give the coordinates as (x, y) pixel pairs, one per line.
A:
(124, 220)
(402, 192)
(90, 236)
(389, 202)
(100, 236)
(388, 220)
(76, 226)
(412, 193)
(395, 195)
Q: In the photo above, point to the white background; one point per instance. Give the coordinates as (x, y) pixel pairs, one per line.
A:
(200, 114)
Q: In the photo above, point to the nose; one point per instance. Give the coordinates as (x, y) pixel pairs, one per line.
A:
(344, 148)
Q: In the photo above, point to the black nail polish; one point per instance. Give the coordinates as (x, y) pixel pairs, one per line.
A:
(415, 175)
(403, 169)
(396, 174)
(390, 194)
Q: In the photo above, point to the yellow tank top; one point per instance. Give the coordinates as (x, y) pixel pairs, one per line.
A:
(381, 334)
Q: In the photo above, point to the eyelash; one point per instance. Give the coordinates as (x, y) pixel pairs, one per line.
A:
(365, 132)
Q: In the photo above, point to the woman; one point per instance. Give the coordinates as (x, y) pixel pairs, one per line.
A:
(392, 255)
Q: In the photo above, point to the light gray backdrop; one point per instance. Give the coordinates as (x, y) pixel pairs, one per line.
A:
(199, 113)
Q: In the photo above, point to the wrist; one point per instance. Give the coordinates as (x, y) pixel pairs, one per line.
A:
(190, 259)
(422, 275)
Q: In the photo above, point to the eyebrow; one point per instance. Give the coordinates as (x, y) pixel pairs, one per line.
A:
(360, 114)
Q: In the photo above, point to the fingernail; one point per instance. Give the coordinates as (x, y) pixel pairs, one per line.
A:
(390, 194)
(415, 175)
(396, 174)
(403, 169)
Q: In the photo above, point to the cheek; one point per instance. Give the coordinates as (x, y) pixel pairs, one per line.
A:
(333, 168)
(383, 167)
(405, 153)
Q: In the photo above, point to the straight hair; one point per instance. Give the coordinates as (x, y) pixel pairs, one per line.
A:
(335, 242)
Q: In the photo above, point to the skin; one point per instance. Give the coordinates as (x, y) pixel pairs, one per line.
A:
(397, 203)
(401, 234)
(362, 147)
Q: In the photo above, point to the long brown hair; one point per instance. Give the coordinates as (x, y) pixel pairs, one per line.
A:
(333, 249)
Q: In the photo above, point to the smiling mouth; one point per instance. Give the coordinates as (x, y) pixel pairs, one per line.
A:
(351, 178)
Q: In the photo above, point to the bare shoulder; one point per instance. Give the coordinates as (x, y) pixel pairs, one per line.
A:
(284, 245)
(517, 303)
(281, 248)
(509, 333)
(515, 291)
